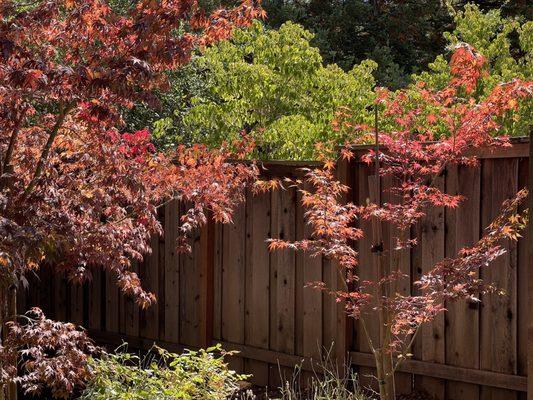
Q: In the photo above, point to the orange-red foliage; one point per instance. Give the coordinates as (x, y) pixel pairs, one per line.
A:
(74, 191)
(412, 154)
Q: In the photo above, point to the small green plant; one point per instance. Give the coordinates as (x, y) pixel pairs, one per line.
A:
(161, 375)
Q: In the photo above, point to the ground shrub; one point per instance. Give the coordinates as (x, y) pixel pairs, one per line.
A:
(161, 375)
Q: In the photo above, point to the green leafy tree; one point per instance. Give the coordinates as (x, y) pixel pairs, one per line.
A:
(402, 36)
(507, 45)
(273, 85)
(166, 119)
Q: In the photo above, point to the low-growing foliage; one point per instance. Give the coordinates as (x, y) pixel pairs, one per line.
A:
(52, 356)
(161, 375)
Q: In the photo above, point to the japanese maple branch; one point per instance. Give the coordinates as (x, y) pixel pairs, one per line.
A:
(406, 349)
(13, 140)
(63, 111)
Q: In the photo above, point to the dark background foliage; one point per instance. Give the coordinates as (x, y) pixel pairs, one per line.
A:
(403, 36)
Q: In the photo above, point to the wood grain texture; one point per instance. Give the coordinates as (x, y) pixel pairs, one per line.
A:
(257, 282)
(498, 313)
(149, 317)
(233, 282)
(172, 274)
(462, 229)
(522, 279)
(282, 281)
(430, 344)
(366, 271)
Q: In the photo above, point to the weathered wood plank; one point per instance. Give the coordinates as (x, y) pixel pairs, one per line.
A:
(454, 374)
(257, 282)
(309, 269)
(283, 263)
(131, 309)
(430, 345)
(95, 299)
(522, 279)
(149, 317)
(530, 278)
(498, 314)
(111, 303)
(366, 271)
(462, 229)
(172, 274)
(217, 277)
(400, 262)
(233, 282)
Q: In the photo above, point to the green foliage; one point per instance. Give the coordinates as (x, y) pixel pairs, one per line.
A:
(410, 32)
(161, 375)
(507, 45)
(166, 119)
(272, 84)
(405, 35)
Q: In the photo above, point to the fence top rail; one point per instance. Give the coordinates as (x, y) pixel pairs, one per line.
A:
(519, 148)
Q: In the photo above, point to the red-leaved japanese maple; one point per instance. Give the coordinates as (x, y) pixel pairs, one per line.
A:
(54, 355)
(74, 190)
(426, 132)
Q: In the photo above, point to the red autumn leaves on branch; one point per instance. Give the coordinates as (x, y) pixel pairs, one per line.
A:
(424, 133)
(54, 355)
(74, 190)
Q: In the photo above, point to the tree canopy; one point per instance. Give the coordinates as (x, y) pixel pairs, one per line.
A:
(273, 84)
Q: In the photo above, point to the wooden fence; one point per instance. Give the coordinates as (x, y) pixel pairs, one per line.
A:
(231, 290)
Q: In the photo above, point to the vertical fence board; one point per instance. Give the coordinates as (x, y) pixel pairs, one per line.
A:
(284, 261)
(60, 297)
(233, 282)
(95, 299)
(429, 345)
(111, 303)
(401, 262)
(462, 229)
(498, 314)
(366, 271)
(172, 274)
(310, 270)
(161, 253)
(44, 283)
(131, 309)
(529, 309)
(218, 289)
(522, 279)
(257, 282)
(149, 317)
(76, 303)
(189, 295)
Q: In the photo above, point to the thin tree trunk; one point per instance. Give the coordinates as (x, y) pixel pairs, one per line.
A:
(384, 361)
(8, 309)
(380, 375)
(388, 372)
